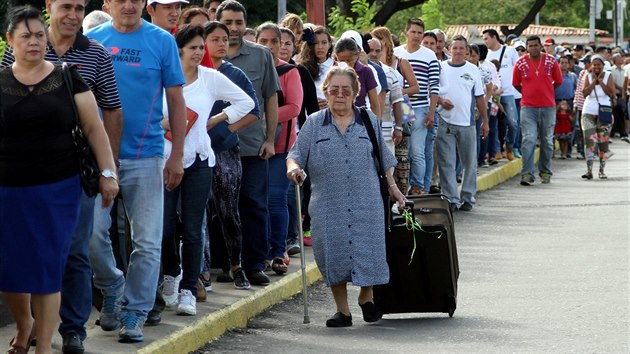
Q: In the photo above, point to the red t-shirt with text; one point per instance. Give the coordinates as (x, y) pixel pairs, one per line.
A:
(537, 79)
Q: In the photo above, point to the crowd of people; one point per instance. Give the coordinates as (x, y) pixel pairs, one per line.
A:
(208, 127)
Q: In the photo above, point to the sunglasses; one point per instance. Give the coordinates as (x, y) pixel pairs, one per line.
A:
(344, 92)
(520, 49)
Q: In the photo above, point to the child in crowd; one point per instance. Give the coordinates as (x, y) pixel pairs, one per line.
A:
(563, 131)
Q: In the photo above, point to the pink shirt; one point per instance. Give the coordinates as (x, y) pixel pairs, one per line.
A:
(291, 85)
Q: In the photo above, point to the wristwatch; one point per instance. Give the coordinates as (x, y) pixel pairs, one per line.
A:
(398, 128)
(107, 173)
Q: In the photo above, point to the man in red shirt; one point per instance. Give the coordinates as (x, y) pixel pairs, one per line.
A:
(536, 75)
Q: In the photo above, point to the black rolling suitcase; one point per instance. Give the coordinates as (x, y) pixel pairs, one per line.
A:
(428, 281)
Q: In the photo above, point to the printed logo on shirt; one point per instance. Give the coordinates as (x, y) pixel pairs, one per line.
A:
(467, 77)
(126, 55)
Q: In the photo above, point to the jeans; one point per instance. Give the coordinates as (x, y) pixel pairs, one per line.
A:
(294, 218)
(493, 136)
(519, 135)
(253, 208)
(454, 140)
(428, 153)
(142, 189)
(76, 294)
(482, 144)
(417, 142)
(278, 210)
(193, 193)
(537, 122)
(511, 120)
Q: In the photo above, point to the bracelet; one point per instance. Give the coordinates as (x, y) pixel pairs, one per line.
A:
(398, 128)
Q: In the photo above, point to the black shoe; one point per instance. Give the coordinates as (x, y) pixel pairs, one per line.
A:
(225, 277)
(72, 344)
(153, 318)
(257, 277)
(371, 313)
(466, 207)
(293, 247)
(435, 189)
(453, 207)
(339, 320)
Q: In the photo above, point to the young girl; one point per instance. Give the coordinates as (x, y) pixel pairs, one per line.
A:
(563, 131)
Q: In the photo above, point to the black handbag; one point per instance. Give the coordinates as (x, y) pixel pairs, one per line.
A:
(605, 113)
(382, 177)
(88, 168)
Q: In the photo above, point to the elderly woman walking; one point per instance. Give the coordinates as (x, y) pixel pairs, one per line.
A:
(346, 204)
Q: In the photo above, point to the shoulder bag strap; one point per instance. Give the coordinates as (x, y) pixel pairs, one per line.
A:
(372, 135)
(68, 79)
(501, 56)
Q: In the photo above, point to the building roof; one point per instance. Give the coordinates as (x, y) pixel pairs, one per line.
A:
(475, 31)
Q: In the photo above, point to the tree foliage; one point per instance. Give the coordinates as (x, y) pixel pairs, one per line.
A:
(362, 21)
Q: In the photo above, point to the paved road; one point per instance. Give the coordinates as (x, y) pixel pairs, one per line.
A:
(543, 269)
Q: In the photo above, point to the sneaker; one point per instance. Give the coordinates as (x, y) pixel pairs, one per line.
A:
(202, 293)
(110, 313)
(240, 280)
(545, 177)
(131, 331)
(492, 161)
(72, 344)
(154, 317)
(307, 238)
(453, 207)
(466, 207)
(224, 277)
(257, 277)
(186, 303)
(626, 139)
(169, 289)
(206, 281)
(527, 179)
(485, 164)
(517, 153)
(293, 247)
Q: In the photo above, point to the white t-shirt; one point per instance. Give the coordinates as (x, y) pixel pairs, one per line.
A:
(323, 70)
(464, 85)
(200, 96)
(507, 67)
(591, 104)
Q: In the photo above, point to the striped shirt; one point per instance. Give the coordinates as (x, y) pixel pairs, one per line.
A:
(94, 64)
(426, 67)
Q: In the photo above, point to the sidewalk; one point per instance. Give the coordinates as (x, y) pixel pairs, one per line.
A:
(227, 307)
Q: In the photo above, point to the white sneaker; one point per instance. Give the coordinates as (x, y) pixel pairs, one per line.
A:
(169, 289)
(187, 304)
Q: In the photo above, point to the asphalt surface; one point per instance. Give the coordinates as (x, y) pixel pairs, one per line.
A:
(544, 269)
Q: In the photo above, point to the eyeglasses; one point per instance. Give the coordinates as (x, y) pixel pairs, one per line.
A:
(344, 92)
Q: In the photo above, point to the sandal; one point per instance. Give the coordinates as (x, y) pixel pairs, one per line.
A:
(278, 266)
(16, 349)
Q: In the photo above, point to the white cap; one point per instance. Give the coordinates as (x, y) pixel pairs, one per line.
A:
(165, 2)
(354, 35)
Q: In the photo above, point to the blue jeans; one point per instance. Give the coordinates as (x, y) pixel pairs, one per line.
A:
(537, 122)
(454, 140)
(278, 209)
(428, 153)
(193, 193)
(519, 135)
(142, 189)
(511, 120)
(76, 294)
(417, 142)
(253, 207)
(493, 136)
(482, 144)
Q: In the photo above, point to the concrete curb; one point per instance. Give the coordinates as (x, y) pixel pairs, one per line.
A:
(235, 315)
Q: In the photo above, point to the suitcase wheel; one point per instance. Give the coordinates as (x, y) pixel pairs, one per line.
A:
(451, 312)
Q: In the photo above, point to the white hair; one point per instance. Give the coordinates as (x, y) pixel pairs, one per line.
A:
(95, 18)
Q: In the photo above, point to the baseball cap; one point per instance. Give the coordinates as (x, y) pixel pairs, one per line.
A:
(510, 38)
(355, 36)
(165, 2)
(518, 44)
(549, 40)
(586, 59)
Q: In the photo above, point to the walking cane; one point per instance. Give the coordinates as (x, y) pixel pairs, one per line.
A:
(302, 256)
